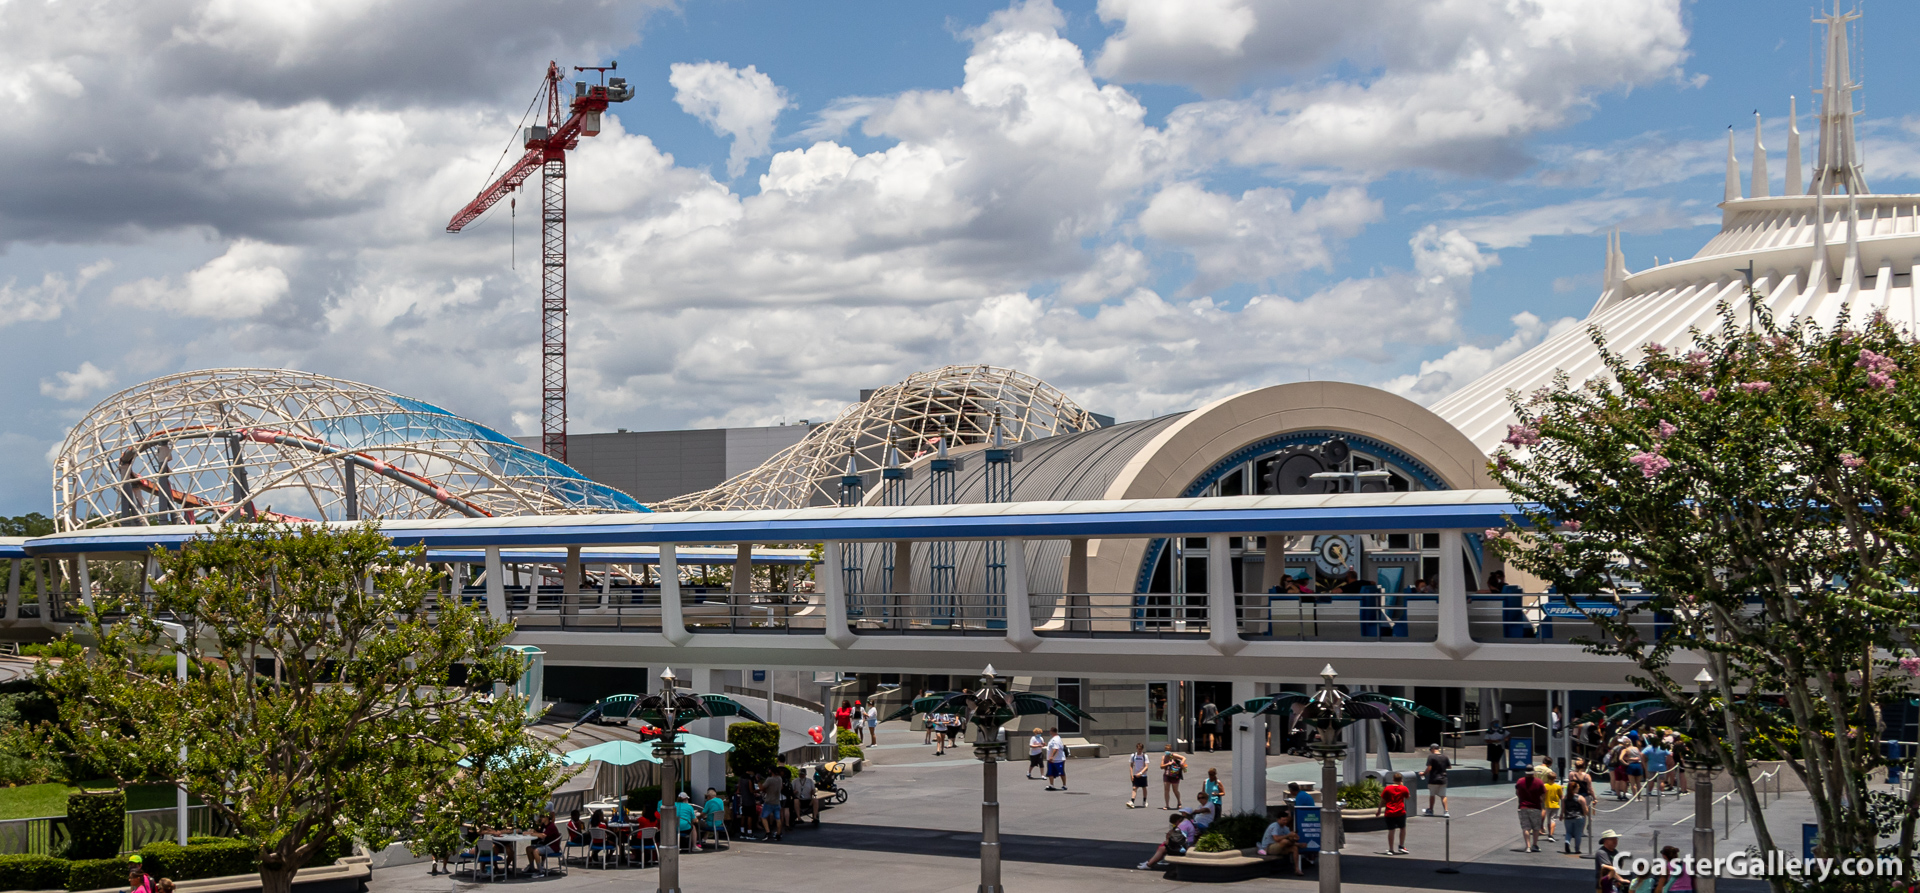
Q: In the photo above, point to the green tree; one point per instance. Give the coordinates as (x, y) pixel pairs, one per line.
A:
(329, 693)
(504, 784)
(1761, 487)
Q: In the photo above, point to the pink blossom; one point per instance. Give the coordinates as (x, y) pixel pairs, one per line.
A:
(1664, 429)
(1755, 387)
(1522, 436)
(1880, 380)
(1573, 526)
(1911, 665)
(1500, 461)
(1710, 394)
(1494, 533)
(1699, 359)
(1875, 362)
(1651, 464)
(1643, 403)
(1851, 461)
(1655, 348)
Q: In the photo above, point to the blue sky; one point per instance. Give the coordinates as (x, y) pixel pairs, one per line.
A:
(1149, 203)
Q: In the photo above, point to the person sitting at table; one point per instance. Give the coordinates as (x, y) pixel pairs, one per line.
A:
(687, 819)
(598, 819)
(713, 814)
(546, 842)
(577, 828)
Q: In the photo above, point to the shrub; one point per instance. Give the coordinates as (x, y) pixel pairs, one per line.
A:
(61, 648)
(1213, 842)
(1242, 829)
(230, 856)
(97, 874)
(644, 800)
(30, 872)
(1365, 795)
(756, 745)
(97, 824)
(848, 745)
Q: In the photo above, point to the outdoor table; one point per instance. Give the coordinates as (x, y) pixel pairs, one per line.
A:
(514, 843)
(622, 832)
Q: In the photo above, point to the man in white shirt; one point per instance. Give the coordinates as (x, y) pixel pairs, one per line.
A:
(1137, 768)
(1056, 759)
(1036, 752)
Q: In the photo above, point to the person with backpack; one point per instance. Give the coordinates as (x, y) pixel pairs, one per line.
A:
(1137, 776)
(1173, 768)
(1173, 844)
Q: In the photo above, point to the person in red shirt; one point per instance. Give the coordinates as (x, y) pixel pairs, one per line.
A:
(843, 717)
(1531, 793)
(1393, 803)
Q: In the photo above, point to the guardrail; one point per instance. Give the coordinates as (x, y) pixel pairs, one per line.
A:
(49, 836)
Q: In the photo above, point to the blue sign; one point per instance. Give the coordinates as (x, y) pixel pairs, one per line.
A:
(1306, 823)
(1520, 754)
(1809, 838)
(759, 675)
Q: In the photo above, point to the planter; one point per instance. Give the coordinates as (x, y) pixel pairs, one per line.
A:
(348, 875)
(1228, 865)
(1362, 821)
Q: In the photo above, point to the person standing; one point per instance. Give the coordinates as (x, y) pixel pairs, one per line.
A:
(938, 724)
(1436, 778)
(1574, 809)
(1554, 798)
(1531, 796)
(843, 717)
(1137, 773)
(1393, 808)
(770, 790)
(1036, 752)
(872, 716)
(1606, 875)
(1496, 738)
(1056, 759)
(1209, 724)
(1634, 762)
(1173, 768)
(1655, 757)
(1211, 791)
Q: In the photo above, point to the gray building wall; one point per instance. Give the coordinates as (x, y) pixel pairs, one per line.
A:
(654, 465)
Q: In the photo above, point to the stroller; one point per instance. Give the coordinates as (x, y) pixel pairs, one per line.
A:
(826, 780)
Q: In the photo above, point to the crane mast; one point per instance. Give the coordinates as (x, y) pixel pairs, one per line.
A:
(546, 151)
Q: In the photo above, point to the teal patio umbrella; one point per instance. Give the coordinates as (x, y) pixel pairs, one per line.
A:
(618, 752)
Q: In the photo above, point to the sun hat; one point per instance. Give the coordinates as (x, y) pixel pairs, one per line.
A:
(683, 795)
(1609, 833)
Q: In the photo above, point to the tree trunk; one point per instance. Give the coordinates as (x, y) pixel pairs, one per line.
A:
(276, 880)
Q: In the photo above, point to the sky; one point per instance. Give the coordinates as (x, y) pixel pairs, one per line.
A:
(1148, 203)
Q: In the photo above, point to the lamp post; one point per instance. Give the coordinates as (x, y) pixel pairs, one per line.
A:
(1700, 759)
(989, 750)
(668, 750)
(1330, 750)
(179, 673)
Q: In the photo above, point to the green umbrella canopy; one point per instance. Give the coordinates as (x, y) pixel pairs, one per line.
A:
(1401, 706)
(1009, 705)
(690, 744)
(927, 704)
(619, 752)
(686, 705)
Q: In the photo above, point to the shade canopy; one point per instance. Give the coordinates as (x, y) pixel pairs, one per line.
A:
(619, 752)
(690, 744)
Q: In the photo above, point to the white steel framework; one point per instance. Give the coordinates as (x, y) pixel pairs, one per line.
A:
(223, 444)
(954, 402)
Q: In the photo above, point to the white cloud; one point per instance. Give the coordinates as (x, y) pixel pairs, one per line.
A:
(1440, 377)
(47, 300)
(741, 103)
(1455, 85)
(76, 385)
(1257, 237)
(243, 282)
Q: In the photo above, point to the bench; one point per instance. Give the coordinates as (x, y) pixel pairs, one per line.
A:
(1231, 865)
(1081, 749)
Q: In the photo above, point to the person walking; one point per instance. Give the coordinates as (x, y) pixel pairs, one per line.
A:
(1393, 809)
(1531, 796)
(1574, 809)
(1211, 791)
(1137, 775)
(1036, 752)
(1173, 768)
(1436, 777)
(926, 721)
(1554, 797)
(1056, 759)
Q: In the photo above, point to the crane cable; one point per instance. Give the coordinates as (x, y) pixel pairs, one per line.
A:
(509, 147)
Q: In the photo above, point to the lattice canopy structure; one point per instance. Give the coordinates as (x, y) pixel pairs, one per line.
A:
(221, 444)
(955, 402)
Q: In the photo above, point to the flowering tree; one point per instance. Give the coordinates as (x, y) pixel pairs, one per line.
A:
(1761, 486)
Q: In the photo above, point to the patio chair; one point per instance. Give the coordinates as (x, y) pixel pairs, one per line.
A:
(492, 862)
(717, 826)
(600, 845)
(575, 847)
(644, 839)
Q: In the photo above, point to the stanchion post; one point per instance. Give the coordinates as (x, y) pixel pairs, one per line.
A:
(1448, 867)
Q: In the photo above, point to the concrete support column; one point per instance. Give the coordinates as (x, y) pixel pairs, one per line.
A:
(496, 584)
(86, 583)
(1020, 632)
(570, 576)
(673, 623)
(833, 588)
(1276, 566)
(1249, 755)
(743, 569)
(1223, 620)
(1356, 757)
(707, 770)
(902, 567)
(1455, 637)
(1079, 607)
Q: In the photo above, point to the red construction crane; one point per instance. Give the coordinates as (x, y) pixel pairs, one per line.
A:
(547, 152)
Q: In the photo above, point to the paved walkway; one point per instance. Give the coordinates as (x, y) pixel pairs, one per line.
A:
(912, 824)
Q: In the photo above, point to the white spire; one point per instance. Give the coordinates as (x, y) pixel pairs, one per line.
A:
(1792, 186)
(1606, 270)
(1619, 260)
(1837, 162)
(1852, 268)
(1759, 189)
(1733, 170)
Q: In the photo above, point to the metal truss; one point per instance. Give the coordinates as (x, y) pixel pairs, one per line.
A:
(956, 402)
(222, 444)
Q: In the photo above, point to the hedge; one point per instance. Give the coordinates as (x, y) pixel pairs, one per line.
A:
(97, 824)
(191, 862)
(756, 745)
(97, 874)
(30, 872)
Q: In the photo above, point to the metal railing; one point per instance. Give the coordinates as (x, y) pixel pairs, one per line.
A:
(1343, 618)
(49, 835)
(1144, 615)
